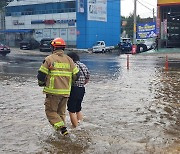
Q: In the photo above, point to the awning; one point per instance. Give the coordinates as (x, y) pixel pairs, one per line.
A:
(17, 31)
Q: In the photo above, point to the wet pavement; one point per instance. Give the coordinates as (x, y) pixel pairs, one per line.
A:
(126, 111)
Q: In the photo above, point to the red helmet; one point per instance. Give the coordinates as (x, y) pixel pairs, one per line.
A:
(58, 43)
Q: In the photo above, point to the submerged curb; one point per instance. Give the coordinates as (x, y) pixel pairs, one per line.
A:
(37, 52)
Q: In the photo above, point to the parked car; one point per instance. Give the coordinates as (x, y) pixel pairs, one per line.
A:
(125, 47)
(144, 45)
(45, 44)
(29, 44)
(4, 49)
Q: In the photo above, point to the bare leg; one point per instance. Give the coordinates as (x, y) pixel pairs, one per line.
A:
(73, 118)
(79, 115)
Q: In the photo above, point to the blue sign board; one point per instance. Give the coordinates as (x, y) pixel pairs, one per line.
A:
(146, 30)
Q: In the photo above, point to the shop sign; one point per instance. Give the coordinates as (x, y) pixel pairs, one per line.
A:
(147, 30)
(165, 26)
(16, 22)
(70, 22)
(49, 22)
(37, 21)
(165, 2)
(158, 24)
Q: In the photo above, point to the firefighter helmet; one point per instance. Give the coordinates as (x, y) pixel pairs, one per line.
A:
(58, 43)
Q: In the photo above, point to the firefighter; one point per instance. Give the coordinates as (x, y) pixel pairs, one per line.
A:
(56, 75)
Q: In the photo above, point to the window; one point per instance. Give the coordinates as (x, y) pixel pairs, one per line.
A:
(47, 8)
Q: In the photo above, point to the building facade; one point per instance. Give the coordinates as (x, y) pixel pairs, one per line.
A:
(168, 22)
(79, 22)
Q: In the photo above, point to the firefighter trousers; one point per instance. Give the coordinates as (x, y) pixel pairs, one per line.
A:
(55, 108)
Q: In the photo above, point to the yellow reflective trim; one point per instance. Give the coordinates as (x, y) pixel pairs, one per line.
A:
(58, 125)
(58, 42)
(60, 73)
(43, 69)
(62, 65)
(51, 84)
(75, 70)
(57, 91)
(70, 82)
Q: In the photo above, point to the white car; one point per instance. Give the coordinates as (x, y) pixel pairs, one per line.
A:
(100, 46)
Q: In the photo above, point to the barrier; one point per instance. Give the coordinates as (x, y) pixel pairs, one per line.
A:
(127, 61)
(166, 63)
(134, 47)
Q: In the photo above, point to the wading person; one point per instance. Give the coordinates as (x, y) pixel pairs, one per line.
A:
(77, 91)
(56, 75)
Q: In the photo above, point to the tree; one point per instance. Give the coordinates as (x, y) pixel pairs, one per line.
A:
(130, 24)
(4, 3)
(129, 27)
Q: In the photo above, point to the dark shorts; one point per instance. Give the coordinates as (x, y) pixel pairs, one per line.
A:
(75, 99)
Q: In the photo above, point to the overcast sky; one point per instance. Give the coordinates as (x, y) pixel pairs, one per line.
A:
(145, 9)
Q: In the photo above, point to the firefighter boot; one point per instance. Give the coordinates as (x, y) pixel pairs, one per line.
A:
(64, 131)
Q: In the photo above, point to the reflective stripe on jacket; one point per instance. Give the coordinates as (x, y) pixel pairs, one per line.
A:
(59, 69)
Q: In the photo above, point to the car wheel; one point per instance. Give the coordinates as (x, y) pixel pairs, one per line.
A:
(141, 48)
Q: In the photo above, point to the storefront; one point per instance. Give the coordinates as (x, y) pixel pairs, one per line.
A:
(168, 23)
(80, 23)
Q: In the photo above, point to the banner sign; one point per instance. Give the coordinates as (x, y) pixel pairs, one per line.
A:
(16, 22)
(80, 6)
(165, 26)
(97, 10)
(147, 30)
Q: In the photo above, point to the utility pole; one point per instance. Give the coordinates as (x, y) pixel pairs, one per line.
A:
(134, 30)
(153, 15)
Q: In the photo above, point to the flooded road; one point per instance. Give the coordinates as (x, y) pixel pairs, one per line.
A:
(126, 111)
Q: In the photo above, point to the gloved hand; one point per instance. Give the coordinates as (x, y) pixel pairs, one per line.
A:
(41, 83)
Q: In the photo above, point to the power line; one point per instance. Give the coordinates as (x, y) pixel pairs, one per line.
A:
(144, 5)
(148, 3)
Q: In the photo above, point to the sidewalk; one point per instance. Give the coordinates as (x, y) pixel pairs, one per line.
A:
(16, 50)
(165, 50)
(173, 53)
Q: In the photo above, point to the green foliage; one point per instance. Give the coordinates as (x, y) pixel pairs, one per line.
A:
(129, 28)
(130, 24)
(3, 3)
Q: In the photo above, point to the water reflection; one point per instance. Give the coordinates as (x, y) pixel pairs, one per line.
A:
(105, 66)
(125, 111)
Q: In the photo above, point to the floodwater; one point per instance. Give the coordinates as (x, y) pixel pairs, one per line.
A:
(126, 111)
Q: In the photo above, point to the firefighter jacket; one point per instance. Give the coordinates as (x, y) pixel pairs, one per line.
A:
(56, 74)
